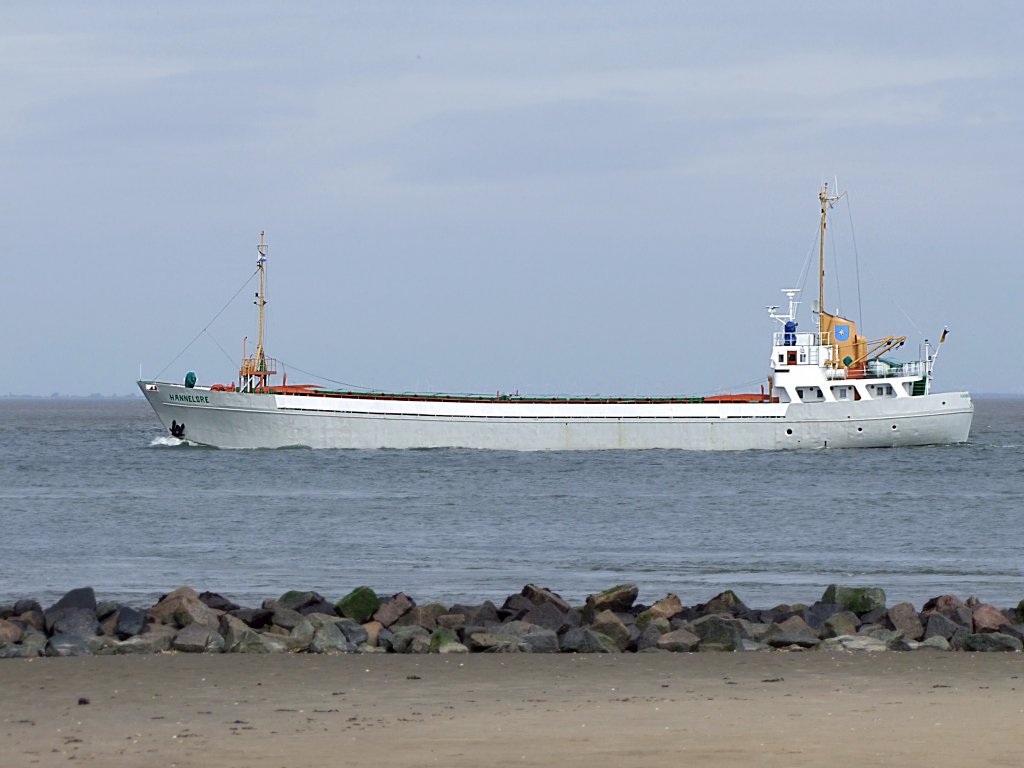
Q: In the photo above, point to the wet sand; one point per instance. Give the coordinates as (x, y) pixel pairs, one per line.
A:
(764, 709)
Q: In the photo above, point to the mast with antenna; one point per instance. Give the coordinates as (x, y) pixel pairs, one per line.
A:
(257, 369)
(825, 202)
(261, 298)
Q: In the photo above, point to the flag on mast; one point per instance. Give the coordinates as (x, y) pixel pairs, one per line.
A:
(942, 338)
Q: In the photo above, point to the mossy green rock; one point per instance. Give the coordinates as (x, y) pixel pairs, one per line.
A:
(359, 605)
(1020, 612)
(585, 640)
(445, 641)
(856, 599)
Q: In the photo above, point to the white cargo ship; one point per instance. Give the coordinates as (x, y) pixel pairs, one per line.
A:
(829, 388)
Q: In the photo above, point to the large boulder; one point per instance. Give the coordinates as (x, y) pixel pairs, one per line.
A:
(10, 632)
(992, 641)
(529, 637)
(842, 623)
(478, 615)
(410, 639)
(855, 643)
(68, 645)
(515, 606)
(951, 607)
(301, 635)
(83, 598)
(34, 641)
(549, 616)
(445, 641)
(586, 640)
(944, 604)
(372, 630)
(183, 607)
(755, 631)
(239, 637)
(156, 638)
(935, 643)
(127, 622)
(987, 618)
(452, 621)
(666, 608)
(489, 642)
(903, 617)
(791, 631)
(609, 625)
(959, 639)
(74, 614)
(333, 634)
(718, 631)
(256, 618)
(620, 598)
(25, 605)
(195, 638)
(297, 600)
(286, 618)
(79, 622)
(19, 652)
(724, 602)
(393, 608)
(217, 602)
(422, 616)
(816, 615)
(322, 606)
(652, 633)
(679, 641)
(34, 619)
(940, 625)
(543, 596)
(359, 605)
(355, 633)
(1015, 630)
(857, 599)
(330, 639)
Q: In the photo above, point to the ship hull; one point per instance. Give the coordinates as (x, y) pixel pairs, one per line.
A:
(242, 420)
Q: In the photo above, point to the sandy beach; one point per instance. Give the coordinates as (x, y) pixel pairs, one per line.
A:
(770, 709)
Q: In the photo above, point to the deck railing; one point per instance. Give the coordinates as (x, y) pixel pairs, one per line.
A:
(796, 339)
(250, 366)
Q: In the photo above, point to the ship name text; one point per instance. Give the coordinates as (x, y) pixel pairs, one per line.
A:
(189, 398)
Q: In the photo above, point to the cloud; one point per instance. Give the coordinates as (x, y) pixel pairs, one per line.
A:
(41, 72)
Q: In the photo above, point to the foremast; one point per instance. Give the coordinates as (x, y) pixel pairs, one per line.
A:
(257, 368)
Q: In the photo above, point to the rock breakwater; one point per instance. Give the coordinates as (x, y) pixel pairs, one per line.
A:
(535, 620)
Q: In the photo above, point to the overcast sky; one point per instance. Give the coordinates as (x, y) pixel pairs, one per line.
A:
(550, 197)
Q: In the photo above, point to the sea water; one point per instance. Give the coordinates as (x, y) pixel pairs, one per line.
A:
(94, 493)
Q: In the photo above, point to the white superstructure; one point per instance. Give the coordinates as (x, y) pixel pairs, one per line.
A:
(830, 388)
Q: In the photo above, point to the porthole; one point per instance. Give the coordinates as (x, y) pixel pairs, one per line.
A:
(894, 426)
(789, 431)
(860, 429)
